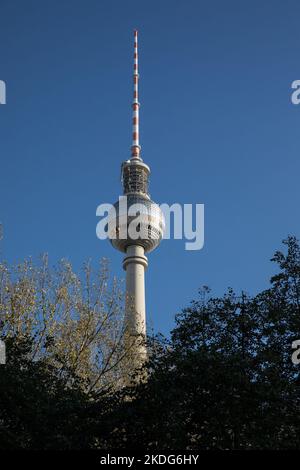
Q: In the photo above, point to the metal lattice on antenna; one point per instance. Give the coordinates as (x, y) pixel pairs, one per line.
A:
(135, 148)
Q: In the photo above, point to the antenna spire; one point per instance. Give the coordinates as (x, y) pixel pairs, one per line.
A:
(135, 148)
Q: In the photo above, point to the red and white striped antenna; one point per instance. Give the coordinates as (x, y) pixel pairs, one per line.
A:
(135, 148)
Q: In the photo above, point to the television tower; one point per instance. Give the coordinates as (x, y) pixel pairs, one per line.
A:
(135, 212)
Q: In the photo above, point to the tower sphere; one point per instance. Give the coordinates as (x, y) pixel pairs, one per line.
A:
(143, 216)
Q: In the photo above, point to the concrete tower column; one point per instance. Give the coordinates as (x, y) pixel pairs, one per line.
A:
(135, 263)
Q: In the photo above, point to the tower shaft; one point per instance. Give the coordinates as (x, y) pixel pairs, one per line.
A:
(135, 263)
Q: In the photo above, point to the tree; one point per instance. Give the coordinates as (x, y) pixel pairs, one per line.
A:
(225, 379)
(39, 409)
(74, 323)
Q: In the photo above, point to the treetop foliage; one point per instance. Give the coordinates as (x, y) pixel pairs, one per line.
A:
(223, 380)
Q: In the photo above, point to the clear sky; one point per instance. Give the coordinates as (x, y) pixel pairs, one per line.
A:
(217, 127)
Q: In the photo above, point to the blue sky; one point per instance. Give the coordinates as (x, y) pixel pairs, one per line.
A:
(217, 127)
